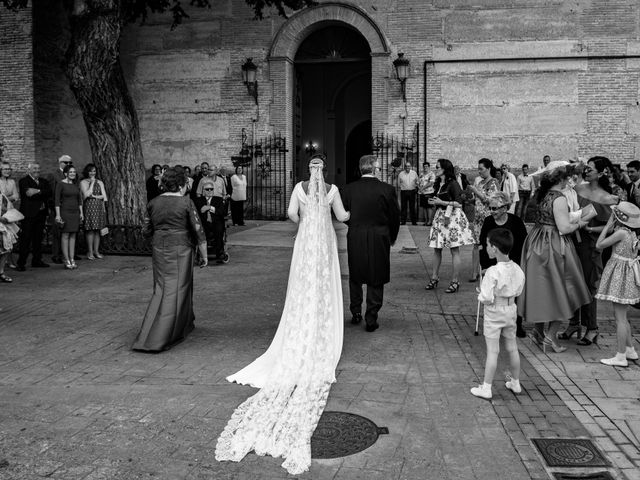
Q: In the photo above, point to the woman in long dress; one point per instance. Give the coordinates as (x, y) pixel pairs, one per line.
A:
(174, 223)
(295, 374)
(555, 286)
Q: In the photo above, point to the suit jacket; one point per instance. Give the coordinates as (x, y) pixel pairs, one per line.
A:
(36, 204)
(373, 227)
(216, 202)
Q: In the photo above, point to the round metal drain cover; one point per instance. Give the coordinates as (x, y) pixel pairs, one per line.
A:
(339, 434)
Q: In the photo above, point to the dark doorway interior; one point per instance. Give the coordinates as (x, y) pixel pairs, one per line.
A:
(358, 144)
(333, 98)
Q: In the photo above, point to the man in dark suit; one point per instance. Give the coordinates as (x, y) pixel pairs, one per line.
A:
(211, 208)
(35, 193)
(373, 228)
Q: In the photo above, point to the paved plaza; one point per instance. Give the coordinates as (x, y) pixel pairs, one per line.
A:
(77, 403)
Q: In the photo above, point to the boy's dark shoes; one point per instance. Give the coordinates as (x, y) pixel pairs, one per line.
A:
(356, 319)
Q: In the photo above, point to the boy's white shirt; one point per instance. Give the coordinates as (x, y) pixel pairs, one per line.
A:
(505, 279)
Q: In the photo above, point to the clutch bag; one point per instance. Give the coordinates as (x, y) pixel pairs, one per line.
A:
(13, 215)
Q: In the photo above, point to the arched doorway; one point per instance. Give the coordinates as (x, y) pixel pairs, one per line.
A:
(358, 144)
(332, 96)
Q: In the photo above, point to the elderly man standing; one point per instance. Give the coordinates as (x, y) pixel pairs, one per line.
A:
(509, 185)
(211, 208)
(56, 234)
(35, 193)
(408, 183)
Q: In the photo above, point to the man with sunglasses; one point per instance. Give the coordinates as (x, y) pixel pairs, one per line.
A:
(211, 208)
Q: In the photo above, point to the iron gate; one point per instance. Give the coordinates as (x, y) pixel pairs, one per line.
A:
(264, 163)
(392, 152)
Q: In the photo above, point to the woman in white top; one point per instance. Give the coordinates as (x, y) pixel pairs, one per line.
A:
(296, 372)
(238, 196)
(9, 189)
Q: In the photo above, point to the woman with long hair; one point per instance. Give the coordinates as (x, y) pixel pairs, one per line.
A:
(555, 286)
(238, 196)
(69, 214)
(596, 191)
(450, 225)
(95, 198)
(483, 187)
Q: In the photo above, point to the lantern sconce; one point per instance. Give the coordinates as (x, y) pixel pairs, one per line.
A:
(311, 147)
(401, 65)
(249, 71)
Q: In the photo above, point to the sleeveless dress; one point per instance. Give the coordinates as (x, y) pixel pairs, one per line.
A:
(620, 281)
(296, 372)
(555, 286)
(95, 217)
(482, 208)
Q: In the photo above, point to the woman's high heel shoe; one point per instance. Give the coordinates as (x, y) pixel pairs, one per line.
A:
(453, 287)
(570, 330)
(547, 342)
(432, 284)
(590, 336)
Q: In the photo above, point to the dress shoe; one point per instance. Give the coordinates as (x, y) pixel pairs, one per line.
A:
(356, 319)
(20, 268)
(371, 327)
(40, 265)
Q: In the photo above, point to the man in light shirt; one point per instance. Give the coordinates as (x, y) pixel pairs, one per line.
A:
(633, 188)
(526, 187)
(509, 186)
(408, 183)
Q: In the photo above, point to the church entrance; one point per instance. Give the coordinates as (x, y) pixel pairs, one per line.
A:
(332, 102)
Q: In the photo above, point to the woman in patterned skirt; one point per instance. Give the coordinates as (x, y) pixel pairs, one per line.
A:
(483, 187)
(95, 198)
(450, 225)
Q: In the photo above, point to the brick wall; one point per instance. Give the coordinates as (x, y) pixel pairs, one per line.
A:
(508, 79)
(16, 88)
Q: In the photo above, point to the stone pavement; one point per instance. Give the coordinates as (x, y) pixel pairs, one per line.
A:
(76, 403)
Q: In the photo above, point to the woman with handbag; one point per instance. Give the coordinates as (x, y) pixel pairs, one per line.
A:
(450, 227)
(9, 188)
(8, 233)
(95, 198)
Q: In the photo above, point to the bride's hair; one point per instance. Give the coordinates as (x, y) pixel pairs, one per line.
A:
(318, 160)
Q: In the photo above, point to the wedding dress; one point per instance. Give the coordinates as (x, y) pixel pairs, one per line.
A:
(295, 374)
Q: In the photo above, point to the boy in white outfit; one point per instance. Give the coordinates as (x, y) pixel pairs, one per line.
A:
(500, 286)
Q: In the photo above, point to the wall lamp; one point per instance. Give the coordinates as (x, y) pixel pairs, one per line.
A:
(249, 70)
(401, 65)
(311, 148)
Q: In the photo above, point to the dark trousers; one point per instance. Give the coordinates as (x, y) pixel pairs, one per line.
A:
(237, 212)
(592, 267)
(408, 196)
(374, 300)
(214, 230)
(523, 203)
(31, 238)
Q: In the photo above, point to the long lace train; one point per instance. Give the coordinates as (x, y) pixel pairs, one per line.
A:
(296, 372)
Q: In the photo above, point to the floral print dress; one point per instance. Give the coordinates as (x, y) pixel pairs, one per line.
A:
(453, 231)
(481, 211)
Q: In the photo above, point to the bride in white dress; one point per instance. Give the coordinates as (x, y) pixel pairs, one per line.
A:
(295, 374)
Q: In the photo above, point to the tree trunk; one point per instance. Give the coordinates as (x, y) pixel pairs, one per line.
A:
(97, 81)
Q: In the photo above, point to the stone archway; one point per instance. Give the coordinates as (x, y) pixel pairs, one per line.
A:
(285, 45)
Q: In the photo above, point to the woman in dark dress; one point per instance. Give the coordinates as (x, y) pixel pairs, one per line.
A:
(498, 206)
(69, 214)
(153, 182)
(174, 223)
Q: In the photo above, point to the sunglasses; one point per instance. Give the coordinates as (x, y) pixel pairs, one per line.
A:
(495, 209)
(208, 189)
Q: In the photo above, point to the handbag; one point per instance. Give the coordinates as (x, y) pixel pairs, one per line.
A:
(104, 231)
(13, 215)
